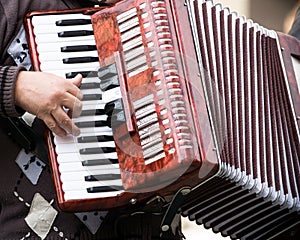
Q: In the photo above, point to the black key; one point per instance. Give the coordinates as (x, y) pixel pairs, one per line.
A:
(91, 97)
(109, 108)
(78, 48)
(99, 162)
(107, 72)
(84, 74)
(104, 189)
(102, 177)
(80, 60)
(77, 33)
(113, 107)
(109, 83)
(91, 85)
(98, 150)
(99, 138)
(100, 123)
(72, 22)
(109, 77)
(92, 112)
(116, 119)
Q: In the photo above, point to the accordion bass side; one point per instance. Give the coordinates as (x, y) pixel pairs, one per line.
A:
(193, 97)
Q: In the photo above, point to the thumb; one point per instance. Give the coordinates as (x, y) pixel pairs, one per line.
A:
(77, 80)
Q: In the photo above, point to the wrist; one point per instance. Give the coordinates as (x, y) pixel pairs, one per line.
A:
(8, 77)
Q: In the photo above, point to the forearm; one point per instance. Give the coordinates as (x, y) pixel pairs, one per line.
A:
(8, 76)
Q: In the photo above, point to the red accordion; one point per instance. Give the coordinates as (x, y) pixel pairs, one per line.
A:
(178, 97)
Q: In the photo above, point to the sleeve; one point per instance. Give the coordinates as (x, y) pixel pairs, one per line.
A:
(8, 76)
(295, 30)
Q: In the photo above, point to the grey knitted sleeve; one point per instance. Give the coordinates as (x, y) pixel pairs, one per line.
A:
(8, 75)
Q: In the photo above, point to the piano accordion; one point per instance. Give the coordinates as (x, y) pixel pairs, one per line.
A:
(177, 95)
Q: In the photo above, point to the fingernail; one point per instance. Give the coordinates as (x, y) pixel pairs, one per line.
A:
(77, 132)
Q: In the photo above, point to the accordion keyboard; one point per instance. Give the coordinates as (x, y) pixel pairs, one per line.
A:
(88, 164)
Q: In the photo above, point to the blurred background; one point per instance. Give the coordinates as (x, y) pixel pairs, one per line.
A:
(272, 14)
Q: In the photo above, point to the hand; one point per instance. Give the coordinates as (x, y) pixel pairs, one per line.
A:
(48, 96)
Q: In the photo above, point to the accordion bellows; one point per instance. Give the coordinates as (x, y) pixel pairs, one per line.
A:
(256, 193)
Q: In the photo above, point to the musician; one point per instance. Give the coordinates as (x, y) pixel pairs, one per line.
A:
(28, 207)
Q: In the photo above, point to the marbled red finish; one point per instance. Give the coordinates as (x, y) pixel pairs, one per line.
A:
(136, 174)
(107, 31)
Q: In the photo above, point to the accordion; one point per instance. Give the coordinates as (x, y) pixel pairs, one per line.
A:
(183, 100)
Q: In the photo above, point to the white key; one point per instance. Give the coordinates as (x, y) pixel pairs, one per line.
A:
(59, 65)
(52, 38)
(112, 94)
(90, 118)
(58, 56)
(52, 28)
(83, 194)
(56, 46)
(73, 139)
(91, 91)
(93, 102)
(95, 130)
(88, 170)
(91, 80)
(77, 175)
(63, 140)
(62, 73)
(52, 18)
(87, 106)
(80, 185)
(75, 156)
(69, 148)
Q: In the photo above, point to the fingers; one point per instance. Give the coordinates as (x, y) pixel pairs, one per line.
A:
(74, 87)
(59, 122)
(65, 122)
(73, 104)
(52, 124)
(54, 127)
(77, 80)
(71, 101)
(56, 115)
(72, 97)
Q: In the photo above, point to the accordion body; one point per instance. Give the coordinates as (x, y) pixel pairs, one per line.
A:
(204, 102)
